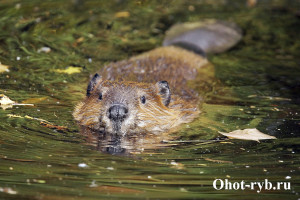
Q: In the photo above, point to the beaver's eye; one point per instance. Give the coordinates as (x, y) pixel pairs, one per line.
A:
(100, 96)
(143, 99)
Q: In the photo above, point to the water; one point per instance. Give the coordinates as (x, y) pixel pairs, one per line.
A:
(258, 88)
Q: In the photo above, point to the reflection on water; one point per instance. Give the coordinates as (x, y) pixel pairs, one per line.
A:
(126, 144)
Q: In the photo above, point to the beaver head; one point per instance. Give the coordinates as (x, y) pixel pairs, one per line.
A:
(121, 107)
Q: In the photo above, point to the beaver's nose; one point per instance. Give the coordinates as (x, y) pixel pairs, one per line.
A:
(117, 112)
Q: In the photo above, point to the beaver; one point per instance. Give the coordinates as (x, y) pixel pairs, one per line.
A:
(154, 92)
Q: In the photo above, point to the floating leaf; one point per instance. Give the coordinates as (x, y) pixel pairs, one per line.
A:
(6, 106)
(69, 70)
(3, 68)
(248, 134)
(4, 100)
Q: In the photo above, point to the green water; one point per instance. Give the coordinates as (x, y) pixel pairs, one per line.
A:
(259, 87)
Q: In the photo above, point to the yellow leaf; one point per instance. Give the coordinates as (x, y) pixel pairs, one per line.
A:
(3, 68)
(248, 134)
(69, 70)
(123, 14)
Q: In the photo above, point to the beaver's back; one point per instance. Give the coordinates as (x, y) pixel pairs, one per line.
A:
(172, 64)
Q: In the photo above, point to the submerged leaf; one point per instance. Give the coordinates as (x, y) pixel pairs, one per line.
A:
(248, 134)
(69, 70)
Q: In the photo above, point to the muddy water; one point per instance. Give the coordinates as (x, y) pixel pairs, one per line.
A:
(42, 154)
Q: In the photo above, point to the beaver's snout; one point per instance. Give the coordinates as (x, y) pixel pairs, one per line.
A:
(117, 112)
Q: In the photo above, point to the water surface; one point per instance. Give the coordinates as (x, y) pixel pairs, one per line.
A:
(258, 88)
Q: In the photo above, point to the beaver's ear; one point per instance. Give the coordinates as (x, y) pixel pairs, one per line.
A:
(94, 81)
(164, 92)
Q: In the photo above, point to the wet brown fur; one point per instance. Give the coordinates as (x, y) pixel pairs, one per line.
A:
(126, 81)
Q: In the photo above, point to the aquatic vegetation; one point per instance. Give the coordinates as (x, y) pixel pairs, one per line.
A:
(258, 87)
